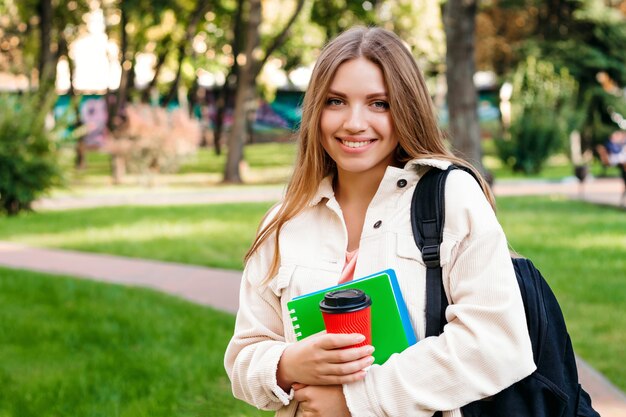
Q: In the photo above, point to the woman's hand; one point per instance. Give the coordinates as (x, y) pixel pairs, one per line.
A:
(319, 360)
(321, 401)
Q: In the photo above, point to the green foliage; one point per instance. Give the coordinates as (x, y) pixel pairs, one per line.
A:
(585, 36)
(336, 16)
(28, 154)
(593, 51)
(601, 108)
(541, 109)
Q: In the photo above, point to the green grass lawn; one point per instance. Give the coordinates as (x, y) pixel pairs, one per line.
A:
(211, 235)
(260, 157)
(579, 247)
(78, 348)
(581, 250)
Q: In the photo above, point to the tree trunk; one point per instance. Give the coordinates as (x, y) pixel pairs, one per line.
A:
(459, 22)
(173, 92)
(145, 96)
(220, 109)
(224, 94)
(118, 164)
(47, 62)
(245, 95)
(80, 161)
(242, 96)
(115, 105)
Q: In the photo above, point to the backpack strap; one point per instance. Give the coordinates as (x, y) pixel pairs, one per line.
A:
(427, 219)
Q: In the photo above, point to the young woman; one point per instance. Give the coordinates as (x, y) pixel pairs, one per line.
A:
(368, 134)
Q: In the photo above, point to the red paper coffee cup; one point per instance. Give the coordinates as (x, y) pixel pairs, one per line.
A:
(348, 311)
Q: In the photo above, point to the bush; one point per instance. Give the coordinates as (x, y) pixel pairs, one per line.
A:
(28, 154)
(542, 109)
(534, 138)
(153, 140)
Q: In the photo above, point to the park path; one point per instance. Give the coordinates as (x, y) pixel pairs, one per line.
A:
(219, 288)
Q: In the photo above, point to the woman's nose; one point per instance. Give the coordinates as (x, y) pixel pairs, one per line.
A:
(356, 120)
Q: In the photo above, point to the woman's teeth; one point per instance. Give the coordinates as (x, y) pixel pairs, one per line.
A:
(356, 144)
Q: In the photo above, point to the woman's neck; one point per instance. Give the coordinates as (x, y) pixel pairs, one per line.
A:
(355, 188)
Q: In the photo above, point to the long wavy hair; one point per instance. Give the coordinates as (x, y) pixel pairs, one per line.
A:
(412, 112)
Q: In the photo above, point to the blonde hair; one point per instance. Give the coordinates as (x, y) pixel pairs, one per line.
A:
(410, 105)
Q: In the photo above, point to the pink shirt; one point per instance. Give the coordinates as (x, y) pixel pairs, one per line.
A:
(348, 270)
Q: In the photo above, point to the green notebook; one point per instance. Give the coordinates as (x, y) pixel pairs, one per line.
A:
(391, 328)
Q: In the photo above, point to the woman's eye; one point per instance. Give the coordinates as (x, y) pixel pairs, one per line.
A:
(333, 102)
(381, 104)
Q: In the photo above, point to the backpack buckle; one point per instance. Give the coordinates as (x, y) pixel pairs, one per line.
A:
(430, 256)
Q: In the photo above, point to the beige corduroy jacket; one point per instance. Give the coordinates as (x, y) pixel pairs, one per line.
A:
(484, 348)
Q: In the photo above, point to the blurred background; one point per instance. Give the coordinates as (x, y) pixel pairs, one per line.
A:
(151, 85)
(116, 115)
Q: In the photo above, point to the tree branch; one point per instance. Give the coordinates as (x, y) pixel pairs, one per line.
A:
(279, 39)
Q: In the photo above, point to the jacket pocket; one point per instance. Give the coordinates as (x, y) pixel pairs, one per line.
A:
(407, 249)
(282, 279)
(294, 279)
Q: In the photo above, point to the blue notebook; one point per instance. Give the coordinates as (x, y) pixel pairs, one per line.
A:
(392, 331)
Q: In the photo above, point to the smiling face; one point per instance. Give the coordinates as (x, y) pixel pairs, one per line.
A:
(356, 126)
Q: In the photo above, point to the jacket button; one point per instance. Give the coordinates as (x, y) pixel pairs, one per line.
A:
(401, 183)
(377, 224)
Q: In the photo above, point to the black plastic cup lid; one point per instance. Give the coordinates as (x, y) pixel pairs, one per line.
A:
(345, 301)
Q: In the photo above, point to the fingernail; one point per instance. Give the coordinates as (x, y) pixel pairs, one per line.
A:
(360, 338)
(370, 349)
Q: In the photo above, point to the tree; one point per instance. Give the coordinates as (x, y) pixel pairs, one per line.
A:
(47, 61)
(335, 16)
(501, 30)
(201, 8)
(592, 49)
(459, 17)
(223, 95)
(248, 72)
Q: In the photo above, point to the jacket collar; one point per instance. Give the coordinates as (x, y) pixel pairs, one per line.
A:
(417, 164)
(325, 189)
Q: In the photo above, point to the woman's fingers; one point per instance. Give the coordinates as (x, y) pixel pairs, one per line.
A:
(344, 379)
(324, 359)
(349, 355)
(348, 368)
(331, 341)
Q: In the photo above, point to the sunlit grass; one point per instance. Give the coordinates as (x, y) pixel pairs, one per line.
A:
(140, 232)
(213, 235)
(581, 250)
(261, 158)
(79, 348)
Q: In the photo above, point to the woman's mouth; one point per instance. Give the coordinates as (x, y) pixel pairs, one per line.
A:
(355, 144)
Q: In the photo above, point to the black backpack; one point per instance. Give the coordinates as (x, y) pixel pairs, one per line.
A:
(553, 389)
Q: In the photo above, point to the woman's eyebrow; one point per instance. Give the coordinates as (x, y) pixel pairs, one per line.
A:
(340, 94)
(336, 93)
